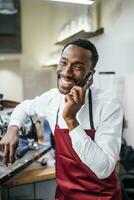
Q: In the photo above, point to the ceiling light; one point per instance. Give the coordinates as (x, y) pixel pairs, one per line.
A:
(7, 7)
(87, 2)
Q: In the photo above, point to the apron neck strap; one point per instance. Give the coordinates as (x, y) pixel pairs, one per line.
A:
(90, 109)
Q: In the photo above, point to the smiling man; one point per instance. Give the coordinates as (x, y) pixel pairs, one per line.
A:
(75, 63)
(86, 123)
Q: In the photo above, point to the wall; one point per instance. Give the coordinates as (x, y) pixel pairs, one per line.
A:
(116, 47)
(41, 22)
(11, 80)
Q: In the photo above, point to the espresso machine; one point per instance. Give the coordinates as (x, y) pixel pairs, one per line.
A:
(28, 149)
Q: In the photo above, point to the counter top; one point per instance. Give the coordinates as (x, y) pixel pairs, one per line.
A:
(35, 172)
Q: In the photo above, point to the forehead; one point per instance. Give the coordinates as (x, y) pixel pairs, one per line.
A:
(76, 52)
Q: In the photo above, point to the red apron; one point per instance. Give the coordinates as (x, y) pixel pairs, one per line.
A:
(75, 181)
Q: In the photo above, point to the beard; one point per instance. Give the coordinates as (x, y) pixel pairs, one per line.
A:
(65, 83)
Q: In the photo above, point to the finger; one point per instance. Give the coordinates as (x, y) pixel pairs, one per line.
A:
(69, 99)
(1, 147)
(81, 92)
(75, 95)
(12, 153)
(6, 153)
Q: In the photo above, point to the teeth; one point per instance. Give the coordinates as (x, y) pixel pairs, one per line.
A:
(66, 82)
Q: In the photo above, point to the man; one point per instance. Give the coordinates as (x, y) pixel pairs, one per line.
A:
(86, 123)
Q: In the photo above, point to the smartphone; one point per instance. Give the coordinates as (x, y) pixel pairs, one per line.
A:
(84, 80)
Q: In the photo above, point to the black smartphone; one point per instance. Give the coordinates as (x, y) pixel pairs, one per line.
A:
(83, 81)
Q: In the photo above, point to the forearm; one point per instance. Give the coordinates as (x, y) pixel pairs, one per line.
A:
(88, 151)
(21, 113)
(91, 154)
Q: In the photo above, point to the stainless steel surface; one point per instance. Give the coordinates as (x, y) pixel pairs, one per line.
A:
(7, 173)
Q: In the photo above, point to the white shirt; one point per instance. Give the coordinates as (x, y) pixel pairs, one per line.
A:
(99, 155)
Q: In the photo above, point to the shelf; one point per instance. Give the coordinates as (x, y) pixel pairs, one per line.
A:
(51, 63)
(81, 34)
(9, 103)
(10, 57)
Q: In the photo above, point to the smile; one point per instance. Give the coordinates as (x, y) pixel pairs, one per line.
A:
(66, 82)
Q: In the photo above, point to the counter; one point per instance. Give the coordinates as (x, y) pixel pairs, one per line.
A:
(36, 180)
(35, 172)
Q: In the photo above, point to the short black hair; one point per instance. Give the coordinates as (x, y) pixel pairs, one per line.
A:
(86, 44)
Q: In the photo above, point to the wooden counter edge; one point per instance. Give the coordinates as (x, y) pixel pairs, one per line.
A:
(30, 176)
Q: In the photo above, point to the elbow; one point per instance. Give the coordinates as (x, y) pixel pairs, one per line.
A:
(106, 170)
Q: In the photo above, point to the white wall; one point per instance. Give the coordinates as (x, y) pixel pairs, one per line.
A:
(11, 80)
(116, 49)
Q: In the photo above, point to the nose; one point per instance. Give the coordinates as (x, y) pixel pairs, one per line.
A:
(68, 70)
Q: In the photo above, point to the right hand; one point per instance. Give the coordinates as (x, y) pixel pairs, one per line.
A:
(9, 143)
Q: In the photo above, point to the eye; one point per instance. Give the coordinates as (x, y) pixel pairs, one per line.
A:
(77, 67)
(63, 62)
